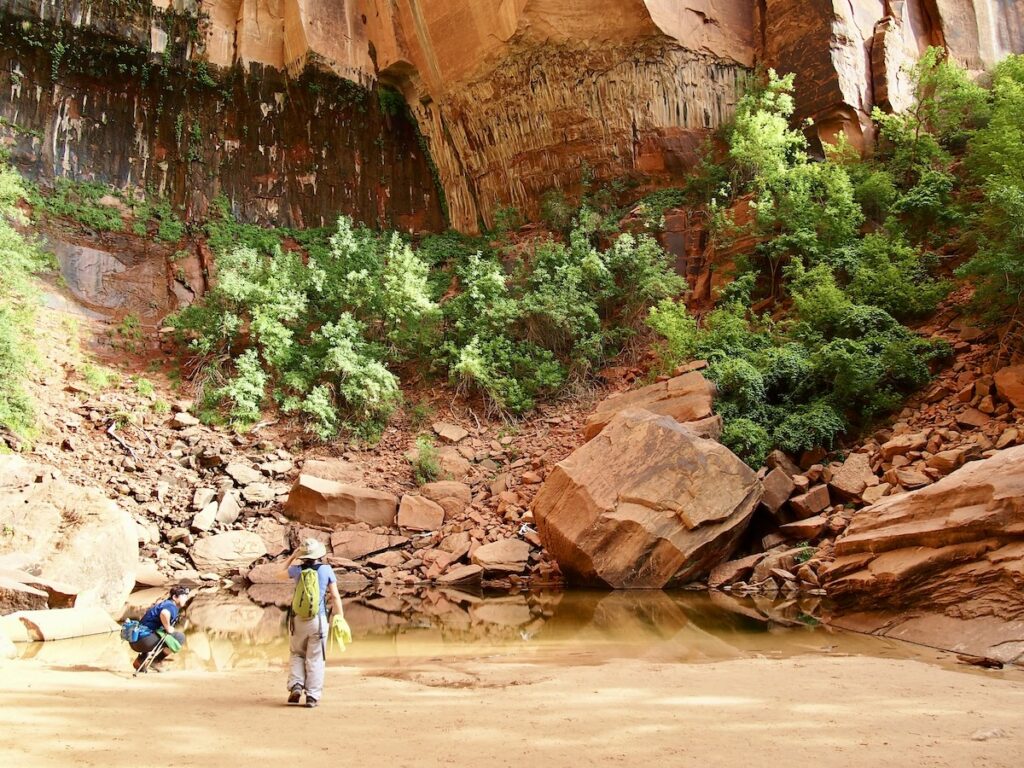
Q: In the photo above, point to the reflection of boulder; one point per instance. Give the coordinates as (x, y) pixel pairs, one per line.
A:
(68, 534)
(645, 504)
(511, 611)
(224, 613)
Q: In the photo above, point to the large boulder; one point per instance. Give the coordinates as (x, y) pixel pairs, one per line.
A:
(646, 504)
(228, 551)
(943, 565)
(686, 398)
(68, 534)
(316, 501)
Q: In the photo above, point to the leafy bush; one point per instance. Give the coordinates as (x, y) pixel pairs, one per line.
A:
(519, 337)
(301, 327)
(996, 160)
(556, 210)
(18, 301)
(893, 276)
(426, 467)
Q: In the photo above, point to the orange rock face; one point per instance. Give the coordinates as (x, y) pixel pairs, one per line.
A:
(645, 504)
(943, 565)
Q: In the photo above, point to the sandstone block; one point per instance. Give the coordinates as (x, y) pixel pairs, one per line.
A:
(418, 513)
(1009, 383)
(809, 504)
(316, 501)
(450, 433)
(645, 504)
(355, 545)
(685, 398)
(853, 477)
(941, 564)
(778, 487)
(453, 497)
(243, 474)
(227, 551)
(505, 556)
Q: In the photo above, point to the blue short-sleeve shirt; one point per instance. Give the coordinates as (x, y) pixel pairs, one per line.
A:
(151, 619)
(325, 575)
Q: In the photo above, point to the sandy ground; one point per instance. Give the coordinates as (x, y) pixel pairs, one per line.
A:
(821, 711)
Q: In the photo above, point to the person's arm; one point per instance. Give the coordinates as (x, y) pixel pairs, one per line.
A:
(290, 561)
(336, 599)
(165, 620)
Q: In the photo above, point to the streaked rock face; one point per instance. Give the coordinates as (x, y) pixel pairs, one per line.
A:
(513, 97)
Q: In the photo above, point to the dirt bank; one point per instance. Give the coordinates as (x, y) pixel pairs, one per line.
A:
(822, 711)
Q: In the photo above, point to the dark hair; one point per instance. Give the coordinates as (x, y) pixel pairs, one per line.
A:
(179, 590)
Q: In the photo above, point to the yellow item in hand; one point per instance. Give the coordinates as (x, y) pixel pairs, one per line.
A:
(340, 632)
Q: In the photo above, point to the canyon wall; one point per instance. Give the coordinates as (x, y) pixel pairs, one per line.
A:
(192, 102)
(272, 102)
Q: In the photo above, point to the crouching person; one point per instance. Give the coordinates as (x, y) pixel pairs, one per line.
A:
(307, 620)
(156, 628)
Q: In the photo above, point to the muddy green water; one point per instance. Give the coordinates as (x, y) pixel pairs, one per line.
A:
(228, 630)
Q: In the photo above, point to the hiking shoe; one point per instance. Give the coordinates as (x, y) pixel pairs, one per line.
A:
(295, 694)
(310, 703)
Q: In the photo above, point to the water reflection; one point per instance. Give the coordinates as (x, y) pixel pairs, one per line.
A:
(229, 630)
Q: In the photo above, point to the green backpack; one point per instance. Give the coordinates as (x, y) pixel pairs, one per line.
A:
(306, 600)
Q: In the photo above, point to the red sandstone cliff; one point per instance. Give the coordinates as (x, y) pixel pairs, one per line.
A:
(514, 97)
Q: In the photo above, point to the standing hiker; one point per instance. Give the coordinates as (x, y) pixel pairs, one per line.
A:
(156, 628)
(307, 620)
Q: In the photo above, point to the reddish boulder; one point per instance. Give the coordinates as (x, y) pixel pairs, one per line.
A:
(686, 398)
(646, 504)
(418, 513)
(809, 504)
(316, 501)
(778, 487)
(853, 477)
(452, 496)
(1010, 384)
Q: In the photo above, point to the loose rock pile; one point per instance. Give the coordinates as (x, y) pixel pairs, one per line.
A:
(969, 413)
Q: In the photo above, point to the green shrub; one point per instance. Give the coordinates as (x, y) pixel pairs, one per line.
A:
(893, 276)
(556, 211)
(426, 467)
(996, 160)
(18, 301)
(748, 440)
(245, 390)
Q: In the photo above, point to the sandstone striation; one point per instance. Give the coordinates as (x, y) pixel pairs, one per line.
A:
(645, 504)
(943, 565)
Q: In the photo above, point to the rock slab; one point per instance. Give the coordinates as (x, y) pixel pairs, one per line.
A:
(228, 551)
(645, 504)
(686, 398)
(69, 534)
(942, 565)
(316, 501)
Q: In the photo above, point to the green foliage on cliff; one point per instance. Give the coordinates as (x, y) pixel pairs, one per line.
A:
(996, 161)
(324, 329)
(18, 299)
(103, 208)
(836, 356)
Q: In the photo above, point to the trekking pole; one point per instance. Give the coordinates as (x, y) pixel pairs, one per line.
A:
(148, 661)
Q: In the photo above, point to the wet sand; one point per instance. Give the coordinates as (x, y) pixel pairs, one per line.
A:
(819, 710)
